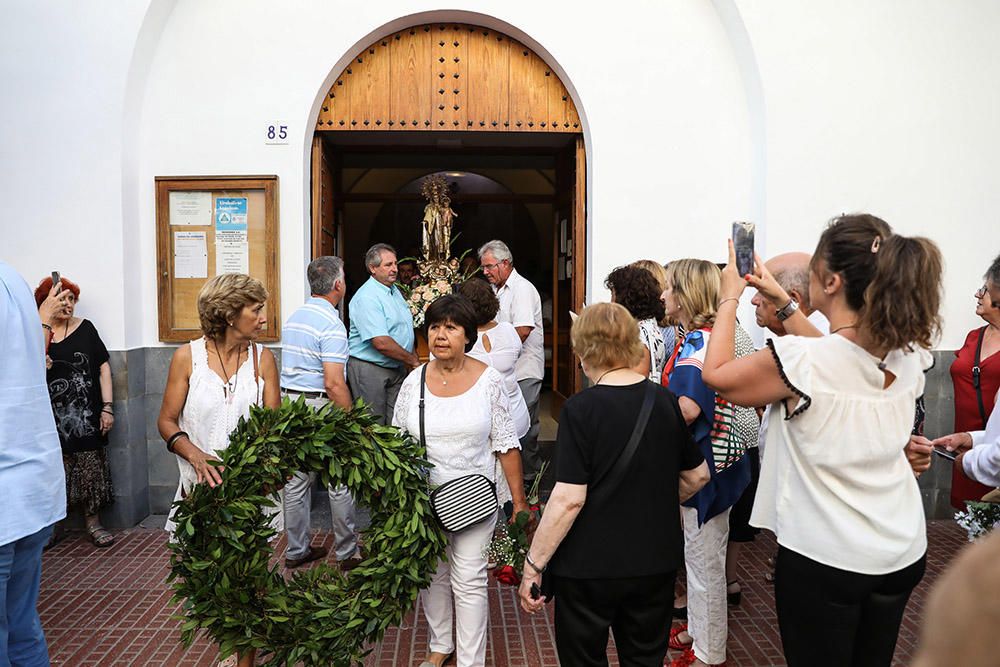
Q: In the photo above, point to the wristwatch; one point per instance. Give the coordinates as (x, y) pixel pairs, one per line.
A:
(787, 310)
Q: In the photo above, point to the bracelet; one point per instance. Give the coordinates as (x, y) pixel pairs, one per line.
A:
(109, 412)
(539, 570)
(174, 438)
(787, 310)
(107, 403)
(729, 298)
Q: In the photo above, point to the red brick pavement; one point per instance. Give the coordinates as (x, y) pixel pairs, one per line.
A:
(111, 607)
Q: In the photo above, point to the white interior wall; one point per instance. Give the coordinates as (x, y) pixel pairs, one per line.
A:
(884, 107)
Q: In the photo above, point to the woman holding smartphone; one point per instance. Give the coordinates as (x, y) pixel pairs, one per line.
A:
(836, 487)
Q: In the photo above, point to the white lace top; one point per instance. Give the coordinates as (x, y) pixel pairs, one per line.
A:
(209, 415)
(463, 433)
(505, 348)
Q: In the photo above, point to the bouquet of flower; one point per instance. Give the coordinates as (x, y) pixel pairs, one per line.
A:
(979, 518)
(510, 541)
(434, 279)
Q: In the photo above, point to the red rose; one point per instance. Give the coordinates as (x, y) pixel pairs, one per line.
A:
(507, 575)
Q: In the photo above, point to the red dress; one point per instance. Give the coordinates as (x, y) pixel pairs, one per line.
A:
(967, 409)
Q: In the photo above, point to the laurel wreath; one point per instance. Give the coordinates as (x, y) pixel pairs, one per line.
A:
(221, 563)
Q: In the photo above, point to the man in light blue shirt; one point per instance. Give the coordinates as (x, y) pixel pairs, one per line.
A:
(314, 355)
(32, 482)
(381, 338)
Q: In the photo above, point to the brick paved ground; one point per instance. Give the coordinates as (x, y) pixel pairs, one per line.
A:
(112, 608)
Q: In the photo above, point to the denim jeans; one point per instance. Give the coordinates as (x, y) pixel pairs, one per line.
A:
(22, 641)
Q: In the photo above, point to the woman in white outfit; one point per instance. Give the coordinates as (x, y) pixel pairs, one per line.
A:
(498, 345)
(213, 381)
(468, 430)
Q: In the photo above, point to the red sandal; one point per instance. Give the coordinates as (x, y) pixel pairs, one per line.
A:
(677, 644)
(688, 658)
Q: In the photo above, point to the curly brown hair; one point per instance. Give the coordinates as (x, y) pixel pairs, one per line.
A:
(637, 290)
(482, 298)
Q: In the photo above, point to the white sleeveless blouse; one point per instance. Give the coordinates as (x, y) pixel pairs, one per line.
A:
(209, 415)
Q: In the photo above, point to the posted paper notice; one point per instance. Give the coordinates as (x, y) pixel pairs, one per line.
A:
(231, 252)
(190, 255)
(191, 208)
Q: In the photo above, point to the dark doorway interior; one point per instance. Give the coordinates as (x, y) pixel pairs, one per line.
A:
(503, 186)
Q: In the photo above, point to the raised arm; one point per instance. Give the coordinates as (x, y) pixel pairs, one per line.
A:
(753, 380)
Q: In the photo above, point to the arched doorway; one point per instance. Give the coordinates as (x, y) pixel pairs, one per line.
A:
(460, 99)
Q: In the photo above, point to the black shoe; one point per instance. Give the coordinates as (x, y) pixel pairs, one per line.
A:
(314, 553)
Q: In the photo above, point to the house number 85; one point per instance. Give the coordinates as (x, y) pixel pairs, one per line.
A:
(276, 132)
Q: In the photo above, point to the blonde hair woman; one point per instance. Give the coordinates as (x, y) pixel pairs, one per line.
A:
(691, 298)
(612, 544)
(213, 381)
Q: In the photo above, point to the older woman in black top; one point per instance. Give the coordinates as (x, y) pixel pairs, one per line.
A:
(612, 541)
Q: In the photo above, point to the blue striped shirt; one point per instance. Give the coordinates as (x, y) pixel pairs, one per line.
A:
(313, 335)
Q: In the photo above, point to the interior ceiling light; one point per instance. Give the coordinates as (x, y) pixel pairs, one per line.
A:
(454, 174)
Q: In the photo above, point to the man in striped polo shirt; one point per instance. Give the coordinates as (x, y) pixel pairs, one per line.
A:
(314, 355)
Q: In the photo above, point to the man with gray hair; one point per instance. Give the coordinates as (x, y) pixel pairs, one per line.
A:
(381, 335)
(520, 305)
(314, 355)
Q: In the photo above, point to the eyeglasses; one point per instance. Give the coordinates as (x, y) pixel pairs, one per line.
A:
(492, 267)
(981, 292)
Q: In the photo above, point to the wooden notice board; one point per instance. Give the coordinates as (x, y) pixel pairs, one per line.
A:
(206, 225)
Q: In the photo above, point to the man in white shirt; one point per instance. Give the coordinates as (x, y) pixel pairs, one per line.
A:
(520, 305)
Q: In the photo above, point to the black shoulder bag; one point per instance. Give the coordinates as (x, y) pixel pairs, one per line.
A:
(612, 477)
(975, 376)
(463, 502)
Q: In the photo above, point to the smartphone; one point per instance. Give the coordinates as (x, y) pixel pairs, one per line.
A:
(944, 453)
(743, 244)
(535, 591)
(55, 281)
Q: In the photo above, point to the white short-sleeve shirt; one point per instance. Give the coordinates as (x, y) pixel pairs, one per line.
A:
(835, 485)
(521, 306)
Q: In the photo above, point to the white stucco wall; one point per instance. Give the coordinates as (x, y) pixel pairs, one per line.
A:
(698, 112)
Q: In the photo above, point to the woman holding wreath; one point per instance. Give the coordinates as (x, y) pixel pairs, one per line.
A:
(836, 487)
(468, 430)
(213, 381)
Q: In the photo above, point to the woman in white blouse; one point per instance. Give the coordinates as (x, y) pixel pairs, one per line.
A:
(835, 485)
(498, 345)
(468, 430)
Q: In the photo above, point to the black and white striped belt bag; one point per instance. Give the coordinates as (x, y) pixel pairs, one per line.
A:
(463, 502)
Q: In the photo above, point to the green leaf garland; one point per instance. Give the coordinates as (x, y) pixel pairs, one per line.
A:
(221, 562)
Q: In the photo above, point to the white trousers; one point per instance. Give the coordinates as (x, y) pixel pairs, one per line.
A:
(461, 578)
(705, 560)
